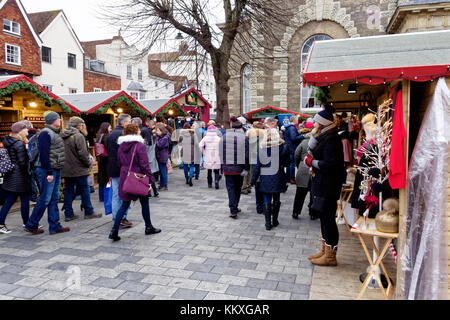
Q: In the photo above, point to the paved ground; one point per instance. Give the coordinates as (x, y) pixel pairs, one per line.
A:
(200, 254)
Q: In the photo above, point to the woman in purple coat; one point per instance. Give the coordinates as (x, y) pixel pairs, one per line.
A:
(162, 153)
(131, 138)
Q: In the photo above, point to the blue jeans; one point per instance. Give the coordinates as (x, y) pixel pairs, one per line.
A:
(34, 185)
(163, 174)
(11, 198)
(101, 192)
(49, 198)
(69, 195)
(188, 170)
(269, 196)
(291, 169)
(197, 171)
(124, 208)
(116, 201)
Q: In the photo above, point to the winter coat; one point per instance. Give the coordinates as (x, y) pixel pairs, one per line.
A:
(150, 147)
(102, 162)
(255, 137)
(292, 137)
(235, 152)
(77, 154)
(19, 179)
(210, 147)
(190, 150)
(269, 168)
(112, 147)
(140, 162)
(303, 175)
(327, 181)
(162, 148)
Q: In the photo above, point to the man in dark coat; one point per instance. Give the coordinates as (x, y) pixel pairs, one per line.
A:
(76, 169)
(293, 139)
(236, 165)
(113, 169)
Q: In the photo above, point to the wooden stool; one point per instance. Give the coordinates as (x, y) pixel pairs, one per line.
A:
(371, 232)
(346, 194)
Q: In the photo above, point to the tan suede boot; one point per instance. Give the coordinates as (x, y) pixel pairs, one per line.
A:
(320, 253)
(328, 259)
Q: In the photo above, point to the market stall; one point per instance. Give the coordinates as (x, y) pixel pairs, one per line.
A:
(403, 81)
(273, 112)
(23, 99)
(195, 104)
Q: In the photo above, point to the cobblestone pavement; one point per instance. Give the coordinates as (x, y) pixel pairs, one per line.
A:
(200, 254)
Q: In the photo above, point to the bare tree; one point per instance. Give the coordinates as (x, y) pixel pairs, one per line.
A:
(255, 23)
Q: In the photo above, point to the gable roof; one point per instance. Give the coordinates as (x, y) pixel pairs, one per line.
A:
(154, 69)
(188, 91)
(160, 106)
(268, 111)
(90, 47)
(25, 16)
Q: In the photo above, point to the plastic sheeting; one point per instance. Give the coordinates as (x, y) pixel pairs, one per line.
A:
(424, 252)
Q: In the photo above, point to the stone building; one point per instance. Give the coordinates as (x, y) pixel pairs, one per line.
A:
(277, 80)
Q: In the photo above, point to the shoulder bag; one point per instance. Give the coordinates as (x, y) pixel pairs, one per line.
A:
(100, 149)
(136, 183)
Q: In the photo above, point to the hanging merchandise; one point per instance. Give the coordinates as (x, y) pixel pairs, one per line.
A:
(397, 172)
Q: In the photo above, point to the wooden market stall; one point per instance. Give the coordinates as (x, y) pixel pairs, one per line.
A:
(362, 73)
(194, 103)
(269, 111)
(23, 99)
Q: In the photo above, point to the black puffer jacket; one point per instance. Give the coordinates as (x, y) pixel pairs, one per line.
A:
(19, 179)
(327, 181)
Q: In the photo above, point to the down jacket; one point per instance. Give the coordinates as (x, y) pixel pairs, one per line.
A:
(303, 175)
(19, 179)
(210, 147)
(77, 154)
(190, 150)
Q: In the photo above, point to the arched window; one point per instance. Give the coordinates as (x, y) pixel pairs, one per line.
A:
(307, 99)
(246, 88)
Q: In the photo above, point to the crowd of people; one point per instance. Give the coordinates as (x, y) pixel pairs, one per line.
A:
(264, 156)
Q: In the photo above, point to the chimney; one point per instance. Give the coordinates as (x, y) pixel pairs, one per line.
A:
(183, 47)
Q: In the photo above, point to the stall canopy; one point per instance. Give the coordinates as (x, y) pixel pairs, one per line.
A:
(375, 60)
(161, 107)
(271, 112)
(11, 84)
(100, 102)
(192, 100)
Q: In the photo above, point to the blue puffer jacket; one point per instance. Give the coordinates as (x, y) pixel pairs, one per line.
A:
(269, 168)
(235, 150)
(292, 137)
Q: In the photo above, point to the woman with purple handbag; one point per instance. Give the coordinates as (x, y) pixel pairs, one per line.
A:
(135, 178)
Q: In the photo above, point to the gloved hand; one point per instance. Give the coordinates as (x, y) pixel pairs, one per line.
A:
(308, 160)
(244, 173)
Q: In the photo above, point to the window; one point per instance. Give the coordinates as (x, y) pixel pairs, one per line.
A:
(307, 94)
(11, 26)
(142, 95)
(48, 87)
(246, 88)
(87, 63)
(12, 54)
(72, 60)
(97, 90)
(129, 72)
(156, 84)
(140, 74)
(97, 65)
(134, 95)
(72, 90)
(46, 54)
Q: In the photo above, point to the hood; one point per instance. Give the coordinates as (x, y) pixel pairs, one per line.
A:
(255, 132)
(130, 138)
(68, 132)
(9, 141)
(187, 131)
(212, 129)
(271, 144)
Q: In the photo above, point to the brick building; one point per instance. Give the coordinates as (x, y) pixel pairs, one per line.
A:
(276, 81)
(20, 46)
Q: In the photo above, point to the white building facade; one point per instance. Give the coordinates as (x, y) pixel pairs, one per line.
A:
(61, 55)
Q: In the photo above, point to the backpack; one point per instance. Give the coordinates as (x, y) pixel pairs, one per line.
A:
(5, 162)
(33, 147)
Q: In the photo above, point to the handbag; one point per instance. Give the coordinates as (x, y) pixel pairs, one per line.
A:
(100, 149)
(318, 204)
(136, 183)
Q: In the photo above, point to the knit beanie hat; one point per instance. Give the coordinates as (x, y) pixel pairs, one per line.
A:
(235, 123)
(18, 126)
(75, 121)
(325, 117)
(309, 123)
(50, 117)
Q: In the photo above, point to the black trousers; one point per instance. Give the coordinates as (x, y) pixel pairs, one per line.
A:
(328, 226)
(216, 175)
(259, 198)
(299, 200)
(234, 186)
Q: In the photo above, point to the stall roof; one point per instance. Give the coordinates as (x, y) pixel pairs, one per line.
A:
(153, 105)
(16, 82)
(268, 111)
(90, 102)
(190, 90)
(373, 60)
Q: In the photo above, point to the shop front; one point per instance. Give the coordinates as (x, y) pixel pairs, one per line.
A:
(23, 99)
(281, 114)
(397, 89)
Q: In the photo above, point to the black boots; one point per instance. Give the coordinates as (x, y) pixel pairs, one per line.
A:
(267, 210)
(275, 211)
(151, 230)
(295, 215)
(190, 182)
(114, 235)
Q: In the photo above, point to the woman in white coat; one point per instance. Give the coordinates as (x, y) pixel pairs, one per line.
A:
(210, 146)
